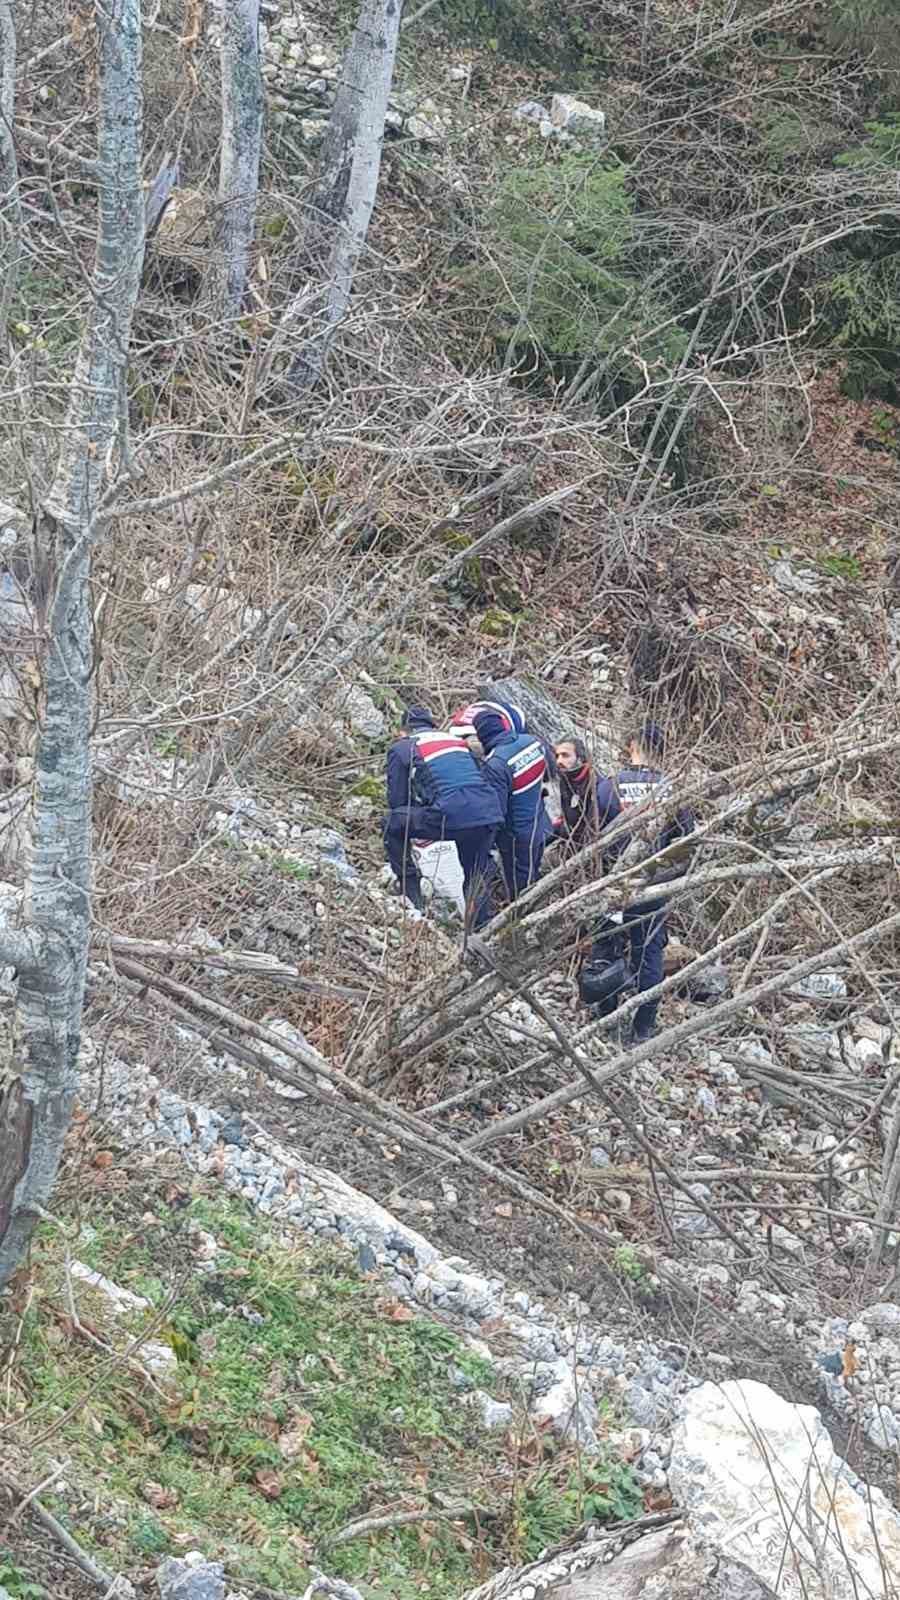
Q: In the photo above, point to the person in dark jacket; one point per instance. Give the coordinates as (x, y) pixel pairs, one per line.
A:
(644, 922)
(436, 790)
(579, 821)
(515, 766)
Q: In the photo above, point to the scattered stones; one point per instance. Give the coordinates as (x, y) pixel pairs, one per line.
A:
(493, 1413)
(425, 132)
(121, 1302)
(566, 1405)
(686, 1219)
(358, 810)
(796, 580)
(882, 1319)
(326, 844)
(577, 118)
(708, 986)
(357, 708)
(532, 111)
(822, 986)
(191, 1577)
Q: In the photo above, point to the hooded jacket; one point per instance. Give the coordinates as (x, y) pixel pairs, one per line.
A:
(516, 768)
(400, 759)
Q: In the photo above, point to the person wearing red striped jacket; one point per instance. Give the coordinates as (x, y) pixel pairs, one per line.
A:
(516, 768)
(437, 790)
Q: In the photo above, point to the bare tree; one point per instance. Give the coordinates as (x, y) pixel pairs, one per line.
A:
(10, 217)
(38, 1076)
(242, 117)
(344, 195)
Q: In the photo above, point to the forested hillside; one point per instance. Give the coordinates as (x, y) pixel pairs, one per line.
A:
(474, 358)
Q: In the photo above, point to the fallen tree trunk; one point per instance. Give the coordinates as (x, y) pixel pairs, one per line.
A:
(654, 1557)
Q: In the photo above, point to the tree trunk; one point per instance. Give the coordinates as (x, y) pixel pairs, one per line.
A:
(10, 212)
(37, 1089)
(242, 115)
(349, 166)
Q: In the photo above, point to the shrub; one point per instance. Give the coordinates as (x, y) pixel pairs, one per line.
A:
(560, 271)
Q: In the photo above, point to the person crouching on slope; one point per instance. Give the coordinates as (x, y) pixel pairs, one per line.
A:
(515, 766)
(436, 790)
(644, 921)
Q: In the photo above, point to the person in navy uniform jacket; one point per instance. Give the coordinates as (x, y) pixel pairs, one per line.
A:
(645, 920)
(516, 768)
(437, 790)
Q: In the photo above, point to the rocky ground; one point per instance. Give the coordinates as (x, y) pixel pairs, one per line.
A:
(720, 1448)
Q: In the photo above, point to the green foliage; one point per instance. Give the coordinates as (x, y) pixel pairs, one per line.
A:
(841, 566)
(790, 135)
(301, 870)
(608, 1491)
(370, 788)
(869, 26)
(497, 622)
(627, 1263)
(303, 1398)
(14, 1581)
(881, 149)
(604, 1490)
(863, 296)
(559, 271)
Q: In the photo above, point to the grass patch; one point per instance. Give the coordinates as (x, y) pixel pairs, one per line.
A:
(303, 1397)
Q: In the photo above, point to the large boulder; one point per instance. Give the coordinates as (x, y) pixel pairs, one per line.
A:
(760, 1478)
(577, 118)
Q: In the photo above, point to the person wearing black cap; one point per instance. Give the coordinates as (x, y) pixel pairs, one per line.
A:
(436, 790)
(638, 783)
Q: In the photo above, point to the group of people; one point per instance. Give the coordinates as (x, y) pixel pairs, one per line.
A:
(438, 788)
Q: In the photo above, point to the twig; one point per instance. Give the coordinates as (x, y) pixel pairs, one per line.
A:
(401, 1125)
(255, 963)
(97, 1574)
(400, 1519)
(36, 1492)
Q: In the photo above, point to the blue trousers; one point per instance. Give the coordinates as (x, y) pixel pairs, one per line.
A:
(521, 856)
(473, 846)
(644, 928)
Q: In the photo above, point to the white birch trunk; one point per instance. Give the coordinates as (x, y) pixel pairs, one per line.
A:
(10, 211)
(242, 116)
(38, 1079)
(349, 167)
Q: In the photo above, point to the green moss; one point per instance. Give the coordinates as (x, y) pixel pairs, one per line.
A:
(497, 622)
(304, 1397)
(370, 788)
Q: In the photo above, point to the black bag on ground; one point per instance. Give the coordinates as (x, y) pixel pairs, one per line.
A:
(606, 975)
